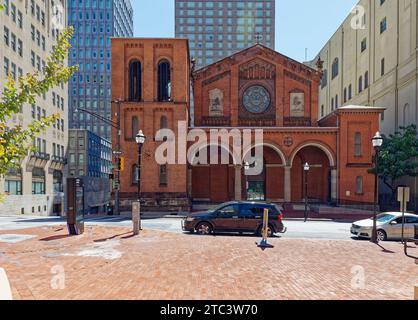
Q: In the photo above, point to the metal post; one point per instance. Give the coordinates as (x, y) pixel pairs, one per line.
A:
(376, 197)
(117, 156)
(139, 181)
(306, 195)
(403, 215)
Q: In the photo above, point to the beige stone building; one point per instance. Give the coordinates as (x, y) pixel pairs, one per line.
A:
(372, 60)
(28, 31)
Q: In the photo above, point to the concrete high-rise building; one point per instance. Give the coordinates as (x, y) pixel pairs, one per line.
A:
(219, 28)
(28, 32)
(95, 22)
(372, 59)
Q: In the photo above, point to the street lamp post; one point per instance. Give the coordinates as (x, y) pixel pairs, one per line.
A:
(306, 169)
(136, 208)
(246, 168)
(377, 142)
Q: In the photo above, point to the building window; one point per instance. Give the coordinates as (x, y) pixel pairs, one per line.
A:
(58, 181)
(382, 67)
(38, 181)
(13, 182)
(335, 68)
(383, 25)
(163, 175)
(163, 122)
(135, 127)
(324, 79)
(345, 95)
(135, 81)
(357, 145)
(164, 81)
(360, 84)
(363, 45)
(359, 185)
(350, 92)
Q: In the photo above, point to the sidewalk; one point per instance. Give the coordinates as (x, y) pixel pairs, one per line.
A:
(108, 263)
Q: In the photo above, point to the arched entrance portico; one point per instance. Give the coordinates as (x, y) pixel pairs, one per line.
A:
(321, 177)
(212, 174)
(268, 185)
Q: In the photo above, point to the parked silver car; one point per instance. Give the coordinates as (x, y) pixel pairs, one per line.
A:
(389, 226)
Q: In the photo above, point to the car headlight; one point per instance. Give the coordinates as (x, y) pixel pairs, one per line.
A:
(190, 219)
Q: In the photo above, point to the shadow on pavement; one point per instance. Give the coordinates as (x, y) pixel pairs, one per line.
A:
(110, 238)
(57, 219)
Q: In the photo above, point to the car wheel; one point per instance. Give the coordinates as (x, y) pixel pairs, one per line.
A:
(204, 228)
(381, 235)
(270, 231)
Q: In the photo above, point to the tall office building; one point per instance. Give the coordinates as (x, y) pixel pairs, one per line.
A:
(219, 28)
(28, 32)
(95, 22)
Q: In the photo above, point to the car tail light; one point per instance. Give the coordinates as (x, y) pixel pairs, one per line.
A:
(280, 216)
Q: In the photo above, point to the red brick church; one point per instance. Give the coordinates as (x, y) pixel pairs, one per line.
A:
(256, 88)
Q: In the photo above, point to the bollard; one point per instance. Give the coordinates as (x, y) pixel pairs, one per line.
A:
(5, 291)
(416, 235)
(136, 209)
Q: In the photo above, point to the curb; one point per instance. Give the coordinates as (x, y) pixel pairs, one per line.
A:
(5, 290)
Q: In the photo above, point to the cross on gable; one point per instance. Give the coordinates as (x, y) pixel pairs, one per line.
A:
(258, 37)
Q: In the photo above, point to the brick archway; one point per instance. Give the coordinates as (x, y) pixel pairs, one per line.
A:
(318, 178)
(272, 177)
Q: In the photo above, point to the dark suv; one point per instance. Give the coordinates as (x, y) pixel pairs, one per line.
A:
(235, 217)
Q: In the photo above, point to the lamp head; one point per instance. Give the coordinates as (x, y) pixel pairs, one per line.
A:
(377, 140)
(247, 166)
(306, 167)
(140, 138)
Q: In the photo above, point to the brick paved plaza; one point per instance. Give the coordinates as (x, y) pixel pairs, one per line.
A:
(108, 263)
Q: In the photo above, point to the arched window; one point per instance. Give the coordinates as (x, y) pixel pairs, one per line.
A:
(366, 80)
(164, 81)
(163, 175)
(360, 84)
(135, 127)
(406, 115)
(357, 144)
(135, 84)
(359, 185)
(335, 68)
(163, 122)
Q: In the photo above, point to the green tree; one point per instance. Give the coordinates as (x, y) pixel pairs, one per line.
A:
(398, 156)
(16, 142)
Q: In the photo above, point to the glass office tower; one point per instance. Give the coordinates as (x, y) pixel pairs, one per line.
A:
(219, 28)
(95, 22)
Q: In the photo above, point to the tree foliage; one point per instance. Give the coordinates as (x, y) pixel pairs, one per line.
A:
(398, 156)
(15, 142)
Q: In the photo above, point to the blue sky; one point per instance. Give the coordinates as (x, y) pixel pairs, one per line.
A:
(300, 24)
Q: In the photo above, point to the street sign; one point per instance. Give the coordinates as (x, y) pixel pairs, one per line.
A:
(404, 195)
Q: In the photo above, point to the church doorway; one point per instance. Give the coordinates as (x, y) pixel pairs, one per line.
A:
(267, 186)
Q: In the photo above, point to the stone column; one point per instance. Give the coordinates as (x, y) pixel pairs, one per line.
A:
(287, 184)
(333, 184)
(238, 183)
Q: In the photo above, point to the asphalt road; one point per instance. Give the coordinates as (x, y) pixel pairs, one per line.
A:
(295, 229)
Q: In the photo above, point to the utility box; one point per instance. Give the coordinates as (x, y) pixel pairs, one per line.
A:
(75, 214)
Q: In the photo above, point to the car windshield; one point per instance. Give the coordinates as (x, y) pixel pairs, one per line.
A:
(385, 217)
(217, 208)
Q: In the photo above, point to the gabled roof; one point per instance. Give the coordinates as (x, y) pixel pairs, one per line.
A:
(256, 46)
